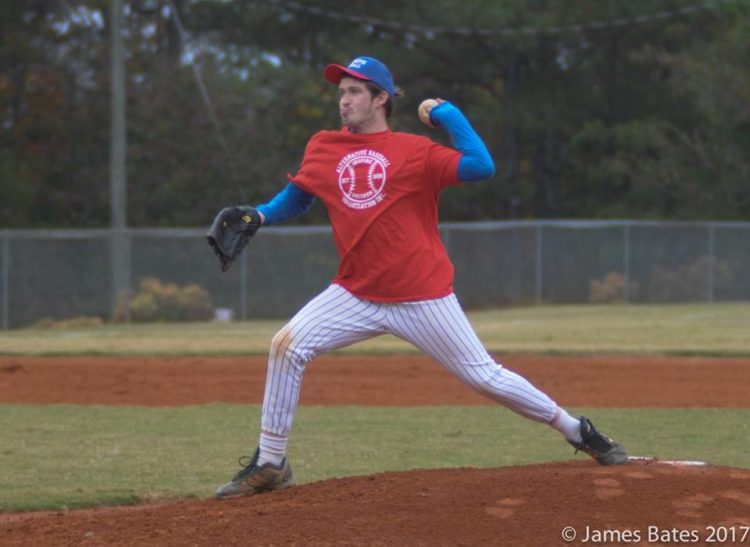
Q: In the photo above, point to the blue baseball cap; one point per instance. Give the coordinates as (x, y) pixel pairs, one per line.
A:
(364, 68)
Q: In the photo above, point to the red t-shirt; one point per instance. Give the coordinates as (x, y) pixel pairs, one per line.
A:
(381, 191)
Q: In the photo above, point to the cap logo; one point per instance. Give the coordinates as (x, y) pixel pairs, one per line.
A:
(358, 63)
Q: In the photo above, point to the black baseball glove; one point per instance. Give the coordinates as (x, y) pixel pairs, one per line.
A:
(232, 229)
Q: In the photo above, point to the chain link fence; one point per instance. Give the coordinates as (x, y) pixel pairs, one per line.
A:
(58, 274)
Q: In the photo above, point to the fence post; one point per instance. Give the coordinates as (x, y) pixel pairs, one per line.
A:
(446, 235)
(243, 286)
(121, 269)
(626, 262)
(539, 265)
(711, 262)
(6, 279)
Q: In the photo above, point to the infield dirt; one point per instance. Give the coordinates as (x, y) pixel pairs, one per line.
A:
(639, 503)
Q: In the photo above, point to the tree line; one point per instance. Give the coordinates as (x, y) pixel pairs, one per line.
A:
(591, 109)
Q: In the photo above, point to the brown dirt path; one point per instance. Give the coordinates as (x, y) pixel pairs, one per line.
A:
(642, 503)
(392, 380)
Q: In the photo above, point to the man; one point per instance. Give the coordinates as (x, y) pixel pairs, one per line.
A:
(381, 191)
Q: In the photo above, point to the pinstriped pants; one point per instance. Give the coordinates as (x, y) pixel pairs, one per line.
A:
(336, 318)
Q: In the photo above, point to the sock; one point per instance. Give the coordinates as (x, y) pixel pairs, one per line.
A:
(566, 424)
(272, 449)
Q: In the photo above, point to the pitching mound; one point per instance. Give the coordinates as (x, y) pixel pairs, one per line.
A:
(529, 505)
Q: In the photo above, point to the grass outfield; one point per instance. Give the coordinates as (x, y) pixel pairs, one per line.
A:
(694, 329)
(66, 456)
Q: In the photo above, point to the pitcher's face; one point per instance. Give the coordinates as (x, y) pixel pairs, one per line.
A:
(359, 110)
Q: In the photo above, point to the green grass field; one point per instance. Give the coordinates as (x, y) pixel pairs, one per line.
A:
(64, 456)
(689, 329)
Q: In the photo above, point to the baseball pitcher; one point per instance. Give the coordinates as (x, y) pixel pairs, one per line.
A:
(381, 190)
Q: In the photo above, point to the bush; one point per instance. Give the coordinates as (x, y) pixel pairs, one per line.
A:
(611, 289)
(195, 304)
(689, 282)
(154, 301)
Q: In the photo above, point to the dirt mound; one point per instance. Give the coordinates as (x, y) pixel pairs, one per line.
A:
(529, 505)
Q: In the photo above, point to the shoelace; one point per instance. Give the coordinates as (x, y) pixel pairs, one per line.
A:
(247, 463)
(596, 440)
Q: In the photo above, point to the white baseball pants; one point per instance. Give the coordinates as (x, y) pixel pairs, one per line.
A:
(336, 318)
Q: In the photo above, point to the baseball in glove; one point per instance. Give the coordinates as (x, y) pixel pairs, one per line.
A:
(233, 227)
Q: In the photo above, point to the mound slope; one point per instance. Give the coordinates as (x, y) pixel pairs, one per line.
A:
(528, 505)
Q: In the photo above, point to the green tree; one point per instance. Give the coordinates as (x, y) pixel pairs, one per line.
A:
(590, 109)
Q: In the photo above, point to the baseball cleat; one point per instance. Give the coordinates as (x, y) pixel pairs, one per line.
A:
(600, 447)
(254, 478)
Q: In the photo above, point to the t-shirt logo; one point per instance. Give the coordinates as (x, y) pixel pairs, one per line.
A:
(362, 177)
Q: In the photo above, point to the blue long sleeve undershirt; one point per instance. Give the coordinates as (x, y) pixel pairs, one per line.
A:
(475, 164)
(288, 203)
